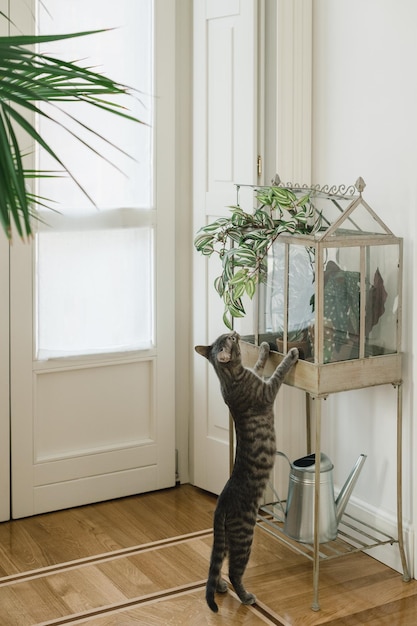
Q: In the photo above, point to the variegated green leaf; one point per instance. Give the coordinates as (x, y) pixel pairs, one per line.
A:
(238, 290)
(250, 287)
(238, 276)
(219, 285)
(227, 319)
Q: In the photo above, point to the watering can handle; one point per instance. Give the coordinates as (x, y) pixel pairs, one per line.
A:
(278, 453)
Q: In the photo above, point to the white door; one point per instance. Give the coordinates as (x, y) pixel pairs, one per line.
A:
(232, 106)
(225, 153)
(92, 390)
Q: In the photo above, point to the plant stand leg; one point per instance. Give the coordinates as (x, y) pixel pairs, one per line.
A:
(308, 422)
(316, 555)
(406, 574)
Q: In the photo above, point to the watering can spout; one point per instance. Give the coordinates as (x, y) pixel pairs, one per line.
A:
(346, 491)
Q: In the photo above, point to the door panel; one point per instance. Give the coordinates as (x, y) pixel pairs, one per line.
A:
(67, 401)
(230, 63)
(89, 427)
(225, 153)
(84, 429)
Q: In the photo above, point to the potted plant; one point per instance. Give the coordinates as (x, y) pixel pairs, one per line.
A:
(243, 241)
(27, 78)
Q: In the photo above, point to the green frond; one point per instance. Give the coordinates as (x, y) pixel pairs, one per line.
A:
(28, 78)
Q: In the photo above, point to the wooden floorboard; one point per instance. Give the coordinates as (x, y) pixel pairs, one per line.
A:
(144, 560)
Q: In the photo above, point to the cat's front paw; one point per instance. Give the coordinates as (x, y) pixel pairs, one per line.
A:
(264, 348)
(294, 354)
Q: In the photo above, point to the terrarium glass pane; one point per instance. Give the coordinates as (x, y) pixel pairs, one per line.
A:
(360, 222)
(341, 304)
(381, 319)
(333, 208)
(330, 207)
(300, 294)
(273, 309)
(271, 301)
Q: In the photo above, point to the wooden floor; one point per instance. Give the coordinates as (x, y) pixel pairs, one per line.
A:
(144, 560)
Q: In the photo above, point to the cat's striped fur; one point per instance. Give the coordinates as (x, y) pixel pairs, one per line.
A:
(250, 400)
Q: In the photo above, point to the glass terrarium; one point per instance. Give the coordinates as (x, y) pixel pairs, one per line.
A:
(335, 293)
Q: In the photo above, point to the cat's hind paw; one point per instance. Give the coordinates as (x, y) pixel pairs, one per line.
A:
(248, 598)
(221, 586)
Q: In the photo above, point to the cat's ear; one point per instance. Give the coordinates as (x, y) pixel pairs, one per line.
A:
(203, 350)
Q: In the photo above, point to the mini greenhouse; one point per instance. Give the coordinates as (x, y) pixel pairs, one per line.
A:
(335, 293)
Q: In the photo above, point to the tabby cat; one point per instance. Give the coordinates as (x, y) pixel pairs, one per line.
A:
(250, 400)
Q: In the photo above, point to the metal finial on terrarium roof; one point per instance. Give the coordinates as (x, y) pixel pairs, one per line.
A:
(276, 180)
(360, 184)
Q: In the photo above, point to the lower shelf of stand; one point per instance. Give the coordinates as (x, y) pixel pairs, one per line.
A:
(353, 535)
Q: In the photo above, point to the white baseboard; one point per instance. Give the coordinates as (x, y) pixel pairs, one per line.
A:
(387, 554)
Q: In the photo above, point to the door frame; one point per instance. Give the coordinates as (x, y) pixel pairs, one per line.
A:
(4, 382)
(4, 346)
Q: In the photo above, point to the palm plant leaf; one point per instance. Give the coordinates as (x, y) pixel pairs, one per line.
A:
(29, 79)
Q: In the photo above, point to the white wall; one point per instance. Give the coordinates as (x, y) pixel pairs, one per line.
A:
(365, 124)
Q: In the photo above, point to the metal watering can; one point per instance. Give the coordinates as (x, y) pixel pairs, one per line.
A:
(299, 514)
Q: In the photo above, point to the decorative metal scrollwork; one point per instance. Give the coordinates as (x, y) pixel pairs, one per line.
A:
(334, 190)
(341, 191)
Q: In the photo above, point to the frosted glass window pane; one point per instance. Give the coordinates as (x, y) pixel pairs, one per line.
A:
(95, 291)
(125, 54)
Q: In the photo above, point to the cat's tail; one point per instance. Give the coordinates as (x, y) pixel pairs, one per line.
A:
(218, 553)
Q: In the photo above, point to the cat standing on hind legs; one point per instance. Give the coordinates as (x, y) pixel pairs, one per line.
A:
(251, 403)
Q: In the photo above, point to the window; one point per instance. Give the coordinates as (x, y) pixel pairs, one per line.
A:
(94, 270)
